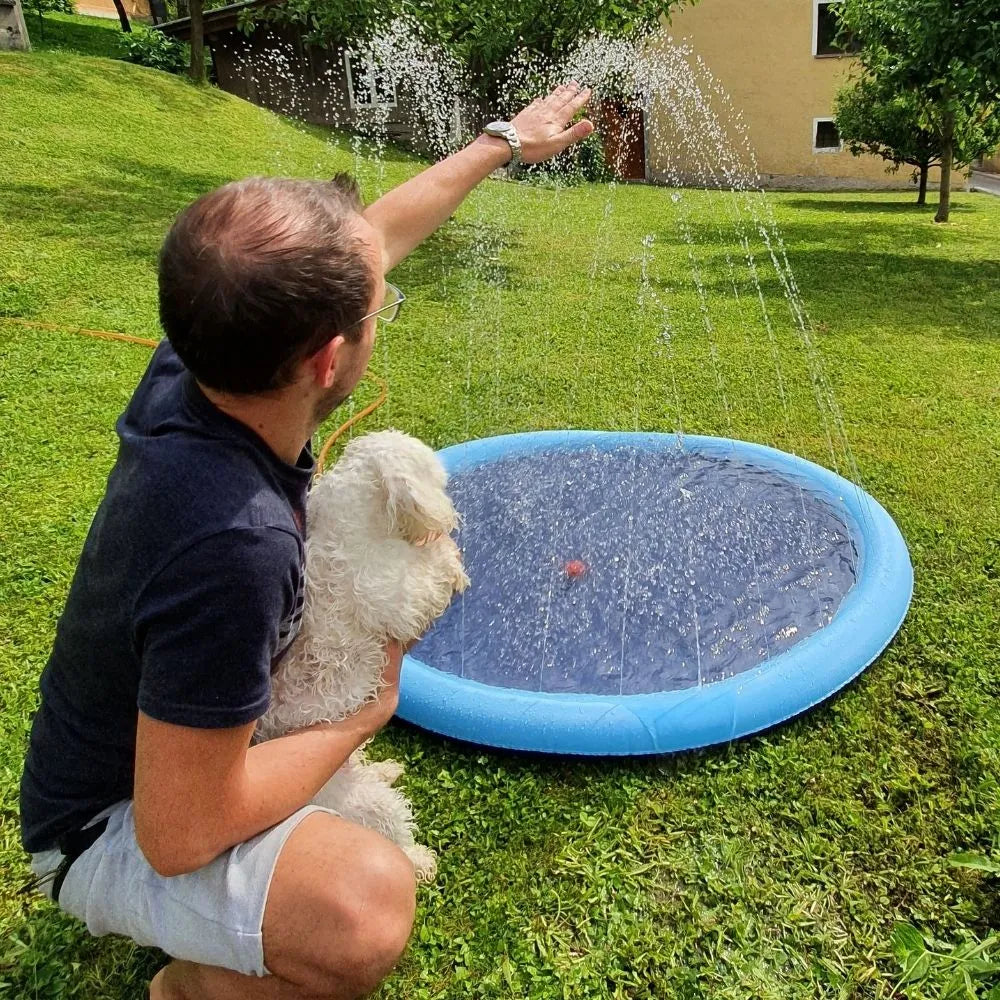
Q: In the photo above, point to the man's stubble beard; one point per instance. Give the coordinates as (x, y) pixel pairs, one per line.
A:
(328, 402)
(357, 365)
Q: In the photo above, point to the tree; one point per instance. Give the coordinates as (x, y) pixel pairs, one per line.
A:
(873, 119)
(197, 40)
(485, 34)
(944, 55)
(122, 16)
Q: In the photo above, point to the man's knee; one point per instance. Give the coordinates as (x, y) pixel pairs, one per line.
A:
(378, 920)
(340, 910)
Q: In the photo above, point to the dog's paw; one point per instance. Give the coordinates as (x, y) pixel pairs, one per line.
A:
(387, 771)
(424, 862)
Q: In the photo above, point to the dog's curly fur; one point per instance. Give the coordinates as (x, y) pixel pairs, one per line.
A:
(380, 564)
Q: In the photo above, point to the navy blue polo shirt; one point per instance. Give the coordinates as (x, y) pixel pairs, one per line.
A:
(188, 591)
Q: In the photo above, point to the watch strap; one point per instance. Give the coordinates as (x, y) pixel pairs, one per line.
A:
(506, 131)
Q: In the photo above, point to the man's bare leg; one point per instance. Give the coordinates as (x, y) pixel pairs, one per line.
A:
(338, 916)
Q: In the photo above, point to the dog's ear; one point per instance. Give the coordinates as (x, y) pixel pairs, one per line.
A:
(411, 480)
(418, 507)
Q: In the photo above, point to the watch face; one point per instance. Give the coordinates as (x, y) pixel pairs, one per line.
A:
(498, 126)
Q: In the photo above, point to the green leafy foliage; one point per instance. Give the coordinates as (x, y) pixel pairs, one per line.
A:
(330, 22)
(872, 118)
(935, 969)
(484, 34)
(41, 7)
(978, 862)
(942, 58)
(154, 49)
(584, 162)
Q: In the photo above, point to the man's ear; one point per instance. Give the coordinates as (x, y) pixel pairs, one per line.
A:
(324, 362)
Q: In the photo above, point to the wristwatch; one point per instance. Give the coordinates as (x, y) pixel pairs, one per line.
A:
(504, 130)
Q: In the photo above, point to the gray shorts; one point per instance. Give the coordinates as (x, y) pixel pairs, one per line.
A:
(212, 916)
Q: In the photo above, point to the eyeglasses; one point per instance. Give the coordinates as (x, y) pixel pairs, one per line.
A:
(388, 312)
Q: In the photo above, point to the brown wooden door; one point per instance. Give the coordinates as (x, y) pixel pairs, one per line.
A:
(622, 130)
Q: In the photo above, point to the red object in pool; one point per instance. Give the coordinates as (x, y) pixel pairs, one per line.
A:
(575, 568)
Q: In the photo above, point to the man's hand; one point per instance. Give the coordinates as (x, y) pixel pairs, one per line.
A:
(541, 126)
(375, 715)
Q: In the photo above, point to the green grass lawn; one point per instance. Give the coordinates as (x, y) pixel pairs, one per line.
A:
(90, 36)
(777, 867)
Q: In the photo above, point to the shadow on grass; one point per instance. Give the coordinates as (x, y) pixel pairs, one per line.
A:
(895, 270)
(89, 36)
(459, 257)
(873, 206)
(123, 209)
(141, 200)
(844, 270)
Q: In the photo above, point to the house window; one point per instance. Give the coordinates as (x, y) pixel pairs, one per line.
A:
(826, 25)
(826, 138)
(369, 84)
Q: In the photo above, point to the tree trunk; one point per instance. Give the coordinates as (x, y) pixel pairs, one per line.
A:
(922, 196)
(484, 87)
(947, 155)
(123, 16)
(197, 42)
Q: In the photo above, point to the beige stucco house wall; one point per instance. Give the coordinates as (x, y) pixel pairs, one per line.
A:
(138, 9)
(761, 51)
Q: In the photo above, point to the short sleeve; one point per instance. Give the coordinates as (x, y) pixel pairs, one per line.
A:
(209, 624)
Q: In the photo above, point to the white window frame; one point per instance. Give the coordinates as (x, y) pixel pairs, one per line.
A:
(375, 102)
(825, 149)
(816, 53)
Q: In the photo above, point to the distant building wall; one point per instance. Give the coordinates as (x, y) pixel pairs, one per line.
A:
(991, 165)
(138, 9)
(761, 52)
(275, 68)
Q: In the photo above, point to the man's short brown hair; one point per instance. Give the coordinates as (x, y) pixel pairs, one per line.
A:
(259, 274)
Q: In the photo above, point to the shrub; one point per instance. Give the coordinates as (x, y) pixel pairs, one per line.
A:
(41, 7)
(582, 163)
(154, 49)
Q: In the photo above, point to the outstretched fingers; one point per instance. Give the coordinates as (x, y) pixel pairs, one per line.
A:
(578, 99)
(561, 97)
(569, 92)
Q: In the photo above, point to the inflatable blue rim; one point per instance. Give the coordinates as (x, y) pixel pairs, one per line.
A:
(763, 696)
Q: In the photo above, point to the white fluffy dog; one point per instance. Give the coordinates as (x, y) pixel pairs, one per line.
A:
(379, 565)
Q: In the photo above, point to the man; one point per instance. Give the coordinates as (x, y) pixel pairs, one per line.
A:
(147, 811)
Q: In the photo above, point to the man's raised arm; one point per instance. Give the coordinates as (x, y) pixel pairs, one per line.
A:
(408, 214)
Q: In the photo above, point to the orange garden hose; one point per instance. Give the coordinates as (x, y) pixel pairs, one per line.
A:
(102, 334)
(370, 408)
(149, 342)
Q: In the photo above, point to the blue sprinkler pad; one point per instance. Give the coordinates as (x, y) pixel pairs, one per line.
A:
(643, 593)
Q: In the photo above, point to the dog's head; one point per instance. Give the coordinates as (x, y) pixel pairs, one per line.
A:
(411, 480)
